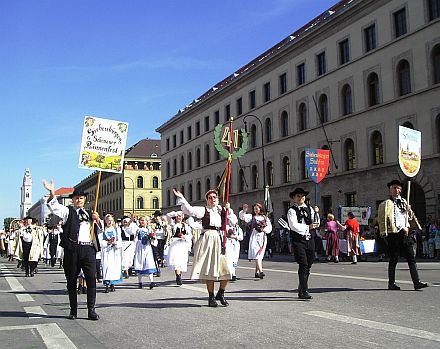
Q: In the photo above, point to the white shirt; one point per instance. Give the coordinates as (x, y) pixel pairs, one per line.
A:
(25, 234)
(301, 228)
(63, 212)
(399, 216)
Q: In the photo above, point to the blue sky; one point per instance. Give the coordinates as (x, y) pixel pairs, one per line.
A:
(137, 61)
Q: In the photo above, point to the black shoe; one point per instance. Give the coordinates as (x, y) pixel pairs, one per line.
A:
(106, 289)
(32, 274)
(112, 288)
(140, 285)
(26, 275)
(257, 275)
(157, 274)
(178, 280)
(304, 295)
(152, 285)
(221, 297)
(91, 315)
(212, 302)
(84, 290)
(72, 315)
(353, 262)
(420, 285)
(234, 278)
(336, 260)
(262, 275)
(394, 287)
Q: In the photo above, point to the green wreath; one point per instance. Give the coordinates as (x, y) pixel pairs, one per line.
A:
(224, 152)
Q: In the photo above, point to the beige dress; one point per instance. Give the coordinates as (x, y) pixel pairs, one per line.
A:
(209, 263)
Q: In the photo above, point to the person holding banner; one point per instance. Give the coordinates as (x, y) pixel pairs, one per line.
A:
(394, 215)
(80, 243)
(210, 263)
(300, 221)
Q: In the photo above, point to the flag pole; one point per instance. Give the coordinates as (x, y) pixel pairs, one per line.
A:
(95, 206)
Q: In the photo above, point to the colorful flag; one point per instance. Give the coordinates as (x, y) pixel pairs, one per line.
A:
(317, 162)
(410, 151)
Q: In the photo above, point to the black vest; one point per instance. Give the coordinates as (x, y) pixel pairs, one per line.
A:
(69, 237)
(299, 216)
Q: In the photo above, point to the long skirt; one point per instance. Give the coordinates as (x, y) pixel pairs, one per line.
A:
(144, 259)
(332, 248)
(353, 244)
(111, 265)
(177, 258)
(128, 248)
(209, 262)
(257, 245)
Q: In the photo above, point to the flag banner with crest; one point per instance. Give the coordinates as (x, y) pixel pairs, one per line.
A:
(410, 151)
(317, 162)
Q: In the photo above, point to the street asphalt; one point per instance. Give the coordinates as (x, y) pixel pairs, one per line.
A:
(351, 308)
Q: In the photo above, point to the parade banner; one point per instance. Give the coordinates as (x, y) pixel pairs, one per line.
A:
(362, 213)
(410, 151)
(317, 162)
(103, 144)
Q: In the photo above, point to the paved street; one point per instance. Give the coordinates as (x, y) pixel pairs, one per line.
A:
(351, 309)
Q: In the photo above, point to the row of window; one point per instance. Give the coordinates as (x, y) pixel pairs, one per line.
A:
(400, 28)
(376, 157)
(140, 182)
(116, 204)
(140, 203)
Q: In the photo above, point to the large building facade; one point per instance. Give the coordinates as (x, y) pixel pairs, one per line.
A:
(367, 67)
(26, 193)
(136, 191)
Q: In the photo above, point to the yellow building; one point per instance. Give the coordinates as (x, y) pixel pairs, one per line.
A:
(137, 190)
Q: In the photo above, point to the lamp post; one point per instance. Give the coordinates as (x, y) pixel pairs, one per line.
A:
(262, 147)
(132, 182)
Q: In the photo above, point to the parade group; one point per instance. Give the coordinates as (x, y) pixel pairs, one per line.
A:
(110, 250)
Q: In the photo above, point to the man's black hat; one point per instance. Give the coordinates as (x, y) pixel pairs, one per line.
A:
(77, 192)
(395, 182)
(157, 213)
(298, 191)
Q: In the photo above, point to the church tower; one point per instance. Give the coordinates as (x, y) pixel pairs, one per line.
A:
(26, 194)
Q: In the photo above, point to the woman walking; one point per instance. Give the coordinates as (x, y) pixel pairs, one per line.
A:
(331, 230)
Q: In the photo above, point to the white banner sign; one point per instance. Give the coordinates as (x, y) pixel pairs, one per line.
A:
(410, 151)
(103, 144)
(362, 214)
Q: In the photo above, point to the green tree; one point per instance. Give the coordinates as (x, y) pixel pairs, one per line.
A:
(7, 222)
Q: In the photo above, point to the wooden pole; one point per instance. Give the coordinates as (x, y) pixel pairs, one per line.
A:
(407, 201)
(95, 206)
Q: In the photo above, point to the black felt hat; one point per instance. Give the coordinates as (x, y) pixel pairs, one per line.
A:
(77, 192)
(298, 191)
(157, 213)
(395, 182)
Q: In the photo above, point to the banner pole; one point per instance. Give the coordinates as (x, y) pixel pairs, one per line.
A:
(407, 200)
(95, 206)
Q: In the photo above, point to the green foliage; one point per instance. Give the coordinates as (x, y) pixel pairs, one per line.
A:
(7, 223)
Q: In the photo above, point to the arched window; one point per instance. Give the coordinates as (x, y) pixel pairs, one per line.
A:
(350, 158)
(347, 100)
(253, 136)
(403, 77)
(269, 173)
(174, 167)
(304, 173)
(286, 169)
(140, 203)
(198, 190)
(241, 181)
(302, 114)
(373, 89)
(437, 132)
(155, 203)
(323, 108)
(190, 165)
(436, 63)
(190, 192)
(268, 129)
(155, 182)
(377, 148)
(284, 124)
(182, 164)
(407, 124)
(254, 177)
(207, 154)
(208, 184)
(140, 182)
(198, 157)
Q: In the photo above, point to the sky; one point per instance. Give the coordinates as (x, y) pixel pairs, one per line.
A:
(138, 61)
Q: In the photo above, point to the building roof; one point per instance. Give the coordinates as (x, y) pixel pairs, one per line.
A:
(145, 148)
(292, 39)
(64, 191)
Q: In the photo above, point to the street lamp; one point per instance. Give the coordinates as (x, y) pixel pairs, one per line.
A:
(262, 146)
(132, 182)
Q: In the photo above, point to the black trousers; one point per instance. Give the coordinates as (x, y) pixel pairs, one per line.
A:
(304, 251)
(82, 257)
(160, 248)
(398, 245)
(29, 267)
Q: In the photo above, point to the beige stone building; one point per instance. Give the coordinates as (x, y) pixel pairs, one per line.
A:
(137, 190)
(369, 65)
